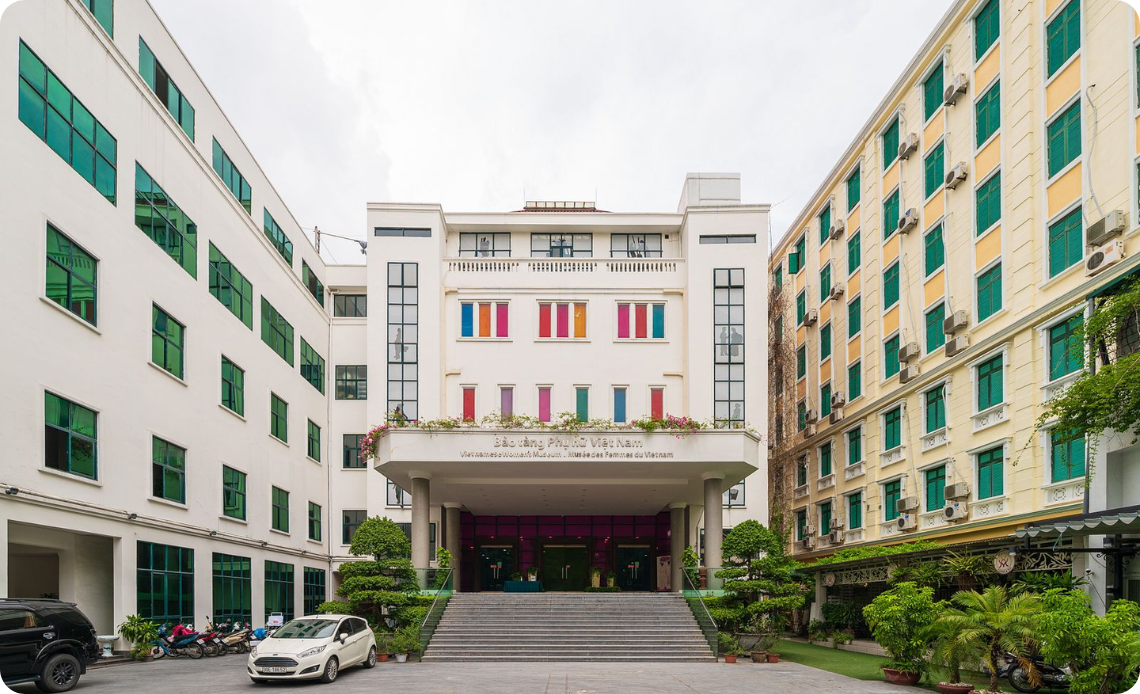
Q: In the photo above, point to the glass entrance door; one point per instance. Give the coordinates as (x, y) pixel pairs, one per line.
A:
(564, 567)
(496, 564)
(634, 567)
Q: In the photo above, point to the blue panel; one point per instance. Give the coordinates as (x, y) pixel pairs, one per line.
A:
(658, 321)
(619, 404)
(467, 320)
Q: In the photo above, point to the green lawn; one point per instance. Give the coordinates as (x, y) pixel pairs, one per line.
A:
(857, 665)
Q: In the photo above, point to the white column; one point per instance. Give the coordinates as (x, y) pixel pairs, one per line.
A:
(714, 525)
(451, 521)
(4, 556)
(421, 519)
(676, 546)
(816, 611)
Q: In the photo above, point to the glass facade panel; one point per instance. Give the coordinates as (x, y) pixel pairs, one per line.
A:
(403, 340)
(165, 583)
(72, 276)
(312, 366)
(233, 386)
(168, 470)
(168, 342)
(230, 287)
(70, 437)
(276, 331)
(164, 222)
(233, 589)
(164, 88)
(278, 238)
(728, 347)
(233, 180)
(279, 590)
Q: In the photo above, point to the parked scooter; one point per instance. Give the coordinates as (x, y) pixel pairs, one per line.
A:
(181, 641)
(1047, 675)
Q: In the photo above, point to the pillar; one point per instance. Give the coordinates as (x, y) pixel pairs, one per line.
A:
(451, 522)
(816, 611)
(714, 526)
(4, 554)
(421, 520)
(676, 546)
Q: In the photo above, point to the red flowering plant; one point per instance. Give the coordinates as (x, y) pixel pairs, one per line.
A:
(680, 427)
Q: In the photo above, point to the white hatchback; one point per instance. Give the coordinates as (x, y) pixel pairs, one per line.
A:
(314, 647)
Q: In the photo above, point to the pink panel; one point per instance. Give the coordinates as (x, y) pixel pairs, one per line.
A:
(623, 320)
(563, 320)
(544, 404)
(501, 320)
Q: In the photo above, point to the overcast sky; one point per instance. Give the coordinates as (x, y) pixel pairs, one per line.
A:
(469, 104)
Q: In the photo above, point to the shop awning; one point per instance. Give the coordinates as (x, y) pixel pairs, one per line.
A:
(1117, 521)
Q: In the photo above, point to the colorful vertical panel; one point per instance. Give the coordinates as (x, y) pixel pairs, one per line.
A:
(623, 321)
(641, 318)
(506, 401)
(583, 404)
(579, 320)
(544, 320)
(658, 321)
(466, 320)
(484, 320)
(544, 404)
(619, 405)
(501, 321)
(563, 320)
(469, 403)
(657, 402)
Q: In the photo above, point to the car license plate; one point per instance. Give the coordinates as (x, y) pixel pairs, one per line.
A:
(275, 669)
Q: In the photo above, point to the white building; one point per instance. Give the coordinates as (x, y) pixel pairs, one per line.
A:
(181, 401)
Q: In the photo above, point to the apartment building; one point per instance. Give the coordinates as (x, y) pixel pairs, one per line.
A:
(936, 276)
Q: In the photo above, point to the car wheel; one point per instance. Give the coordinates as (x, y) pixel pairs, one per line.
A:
(370, 661)
(60, 673)
(332, 669)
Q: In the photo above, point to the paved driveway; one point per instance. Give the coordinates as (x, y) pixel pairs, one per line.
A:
(227, 674)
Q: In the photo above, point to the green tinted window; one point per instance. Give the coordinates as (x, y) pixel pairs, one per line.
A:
(231, 287)
(824, 225)
(825, 460)
(935, 488)
(233, 588)
(312, 366)
(104, 12)
(891, 286)
(801, 361)
(165, 583)
(854, 253)
(988, 204)
(824, 282)
(935, 409)
(892, 492)
(935, 168)
(164, 222)
(986, 29)
(825, 516)
(278, 238)
(891, 357)
(582, 403)
(854, 380)
(276, 331)
(825, 400)
(1064, 138)
(991, 384)
(891, 214)
(932, 93)
(855, 446)
(232, 178)
(233, 493)
(70, 437)
(854, 317)
(934, 252)
(801, 307)
(855, 511)
(825, 342)
(1063, 36)
(991, 477)
(853, 190)
(279, 585)
(71, 276)
(309, 278)
(314, 441)
(1066, 242)
(350, 451)
(315, 518)
(278, 417)
(1066, 353)
(164, 88)
(168, 342)
(890, 144)
(935, 338)
(989, 292)
(892, 429)
(1067, 455)
(987, 114)
(169, 470)
(233, 386)
(280, 509)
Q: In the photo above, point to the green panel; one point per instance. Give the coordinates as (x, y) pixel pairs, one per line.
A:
(934, 407)
(233, 493)
(160, 218)
(280, 509)
(312, 366)
(935, 169)
(1063, 136)
(932, 93)
(233, 386)
(314, 441)
(230, 287)
(824, 283)
(986, 28)
(892, 429)
(935, 337)
(824, 225)
(855, 511)
(1066, 242)
(167, 342)
(276, 331)
(825, 342)
(989, 293)
(801, 307)
(987, 114)
(934, 252)
(891, 286)
(1067, 457)
(316, 520)
(825, 516)
(278, 417)
(853, 190)
(988, 204)
(855, 446)
(890, 144)
(854, 380)
(169, 470)
(891, 214)
(854, 253)
(891, 357)
(1066, 352)
(854, 317)
(892, 492)
(583, 404)
(71, 276)
(801, 362)
(935, 488)
(825, 460)
(991, 478)
(232, 178)
(825, 400)
(1063, 36)
(991, 383)
(278, 238)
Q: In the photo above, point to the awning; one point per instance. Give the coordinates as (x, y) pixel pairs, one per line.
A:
(1117, 521)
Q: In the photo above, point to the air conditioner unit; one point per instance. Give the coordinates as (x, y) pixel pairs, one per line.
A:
(1103, 257)
(838, 399)
(907, 503)
(908, 373)
(956, 175)
(958, 490)
(811, 416)
(905, 522)
(836, 291)
(956, 511)
(908, 146)
(837, 524)
(837, 229)
(957, 344)
(808, 543)
(909, 351)
(811, 317)
(1111, 225)
(835, 537)
(809, 530)
(956, 88)
(908, 221)
(955, 321)
(835, 417)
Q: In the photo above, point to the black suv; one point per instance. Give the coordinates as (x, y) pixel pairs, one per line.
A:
(48, 642)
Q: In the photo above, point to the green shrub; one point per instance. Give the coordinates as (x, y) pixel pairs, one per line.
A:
(900, 619)
(333, 607)
(1103, 652)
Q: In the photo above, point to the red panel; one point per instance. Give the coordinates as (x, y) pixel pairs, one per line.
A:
(657, 402)
(469, 403)
(544, 320)
(501, 320)
(640, 314)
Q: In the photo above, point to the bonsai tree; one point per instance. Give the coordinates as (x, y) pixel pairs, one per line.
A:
(373, 587)
(1102, 652)
(761, 577)
(991, 624)
(142, 633)
(899, 619)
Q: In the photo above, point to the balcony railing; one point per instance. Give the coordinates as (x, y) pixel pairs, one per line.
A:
(613, 266)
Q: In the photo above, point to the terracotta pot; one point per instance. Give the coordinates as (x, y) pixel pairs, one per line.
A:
(382, 657)
(896, 677)
(759, 656)
(729, 658)
(959, 688)
(773, 657)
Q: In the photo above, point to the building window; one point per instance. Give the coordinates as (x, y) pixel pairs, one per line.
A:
(987, 114)
(801, 416)
(277, 237)
(352, 382)
(1067, 455)
(1063, 36)
(991, 479)
(554, 320)
(278, 417)
(476, 319)
(233, 589)
(988, 210)
(405, 232)
(825, 400)
(825, 468)
(350, 523)
(722, 239)
(801, 362)
(935, 169)
(350, 306)
(891, 357)
(640, 321)
(728, 346)
(276, 331)
(854, 317)
(315, 522)
(797, 259)
(403, 340)
(1066, 242)
(230, 287)
(635, 245)
(582, 403)
(801, 524)
(991, 386)
(312, 283)
(934, 255)
(734, 496)
(824, 283)
(825, 342)
(168, 467)
(891, 147)
(854, 380)
(824, 225)
(932, 95)
(476, 245)
(312, 366)
(891, 286)
(314, 588)
(397, 496)
(160, 218)
(279, 589)
(279, 519)
(892, 429)
(989, 292)
(70, 437)
(853, 189)
(891, 214)
(855, 511)
(104, 12)
(934, 401)
(544, 403)
(164, 88)
(237, 184)
(935, 479)
(468, 403)
(561, 245)
(935, 338)
(164, 583)
(168, 342)
(824, 516)
(314, 441)
(506, 402)
(801, 473)
(854, 252)
(233, 493)
(778, 277)
(1064, 138)
(72, 275)
(801, 307)
(855, 446)
(1066, 353)
(65, 124)
(350, 454)
(986, 28)
(619, 405)
(407, 528)
(892, 492)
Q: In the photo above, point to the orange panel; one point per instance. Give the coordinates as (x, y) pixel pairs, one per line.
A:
(801, 335)
(934, 129)
(988, 159)
(1064, 85)
(1064, 190)
(987, 248)
(801, 281)
(987, 70)
(1135, 23)
(1051, 6)
(854, 283)
(825, 312)
(891, 177)
(934, 288)
(484, 320)
(891, 321)
(854, 348)
(853, 220)
(890, 250)
(801, 389)
(825, 253)
(825, 371)
(579, 320)
(933, 209)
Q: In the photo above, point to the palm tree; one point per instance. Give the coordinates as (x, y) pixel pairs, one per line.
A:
(990, 623)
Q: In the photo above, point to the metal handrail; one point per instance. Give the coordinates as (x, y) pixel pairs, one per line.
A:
(708, 625)
(425, 635)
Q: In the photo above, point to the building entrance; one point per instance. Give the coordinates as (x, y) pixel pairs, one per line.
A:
(634, 567)
(564, 567)
(496, 564)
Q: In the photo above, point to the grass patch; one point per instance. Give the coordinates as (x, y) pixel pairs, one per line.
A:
(860, 666)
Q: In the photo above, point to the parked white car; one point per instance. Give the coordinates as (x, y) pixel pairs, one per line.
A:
(313, 647)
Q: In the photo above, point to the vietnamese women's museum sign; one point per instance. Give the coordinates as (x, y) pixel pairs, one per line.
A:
(592, 446)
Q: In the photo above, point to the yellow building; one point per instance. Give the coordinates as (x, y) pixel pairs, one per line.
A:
(936, 274)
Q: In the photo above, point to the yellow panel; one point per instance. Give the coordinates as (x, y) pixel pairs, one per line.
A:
(933, 209)
(891, 321)
(890, 250)
(801, 281)
(891, 177)
(987, 248)
(1051, 6)
(1064, 190)
(854, 282)
(1063, 87)
(825, 254)
(987, 159)
(853, 219)
(987, 70)
(825, 371)
(801, 335)
(1135, 23)
(825, 312)
(801, 389)
(934, 288)
(854, 348)
(934, 129)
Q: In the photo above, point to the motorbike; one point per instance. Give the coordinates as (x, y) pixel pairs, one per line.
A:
(180, 642)
(234, 638)
(1048, 675)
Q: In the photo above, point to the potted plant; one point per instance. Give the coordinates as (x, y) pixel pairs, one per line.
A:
(840, 638)
(817, 630)
(141, 633)
(532, 573)
(900, 620)
(611, 577)
(406, 641)
(971, 570)
(991, 624)
(383, 646)
(517, 576)
(730, 645)
(595, 577)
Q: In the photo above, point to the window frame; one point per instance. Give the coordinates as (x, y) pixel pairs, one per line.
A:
(71, 433)
(646, 251)
(1052, 72)
(975, 379)
(884, 424)
(342, 382)
(166, 342)
(980, 232)
(68, 297)
(938, 228)
(1075, 105)
(995, 264)
(587, 252)
(236, 385)
(278, 511)
(976, 463)
(857, 430)
(476, 252)
(179, 473)
(241, 493)
(1072, 211)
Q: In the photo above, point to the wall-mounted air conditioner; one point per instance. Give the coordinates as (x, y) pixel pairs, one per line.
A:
(837, 228)
(956, 175)
(955, 321)
(908, 146)
(955, 511)
(957, 344)
(908, 373)
(1103, 257)
(956, 88)
(958, 490)
(909, 351)
(908, 221)
(1107, 227)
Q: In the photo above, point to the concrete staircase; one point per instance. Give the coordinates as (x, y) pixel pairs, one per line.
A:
(568, 627)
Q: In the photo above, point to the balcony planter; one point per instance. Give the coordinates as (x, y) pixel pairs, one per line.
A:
(898, 677)
(730, 657)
